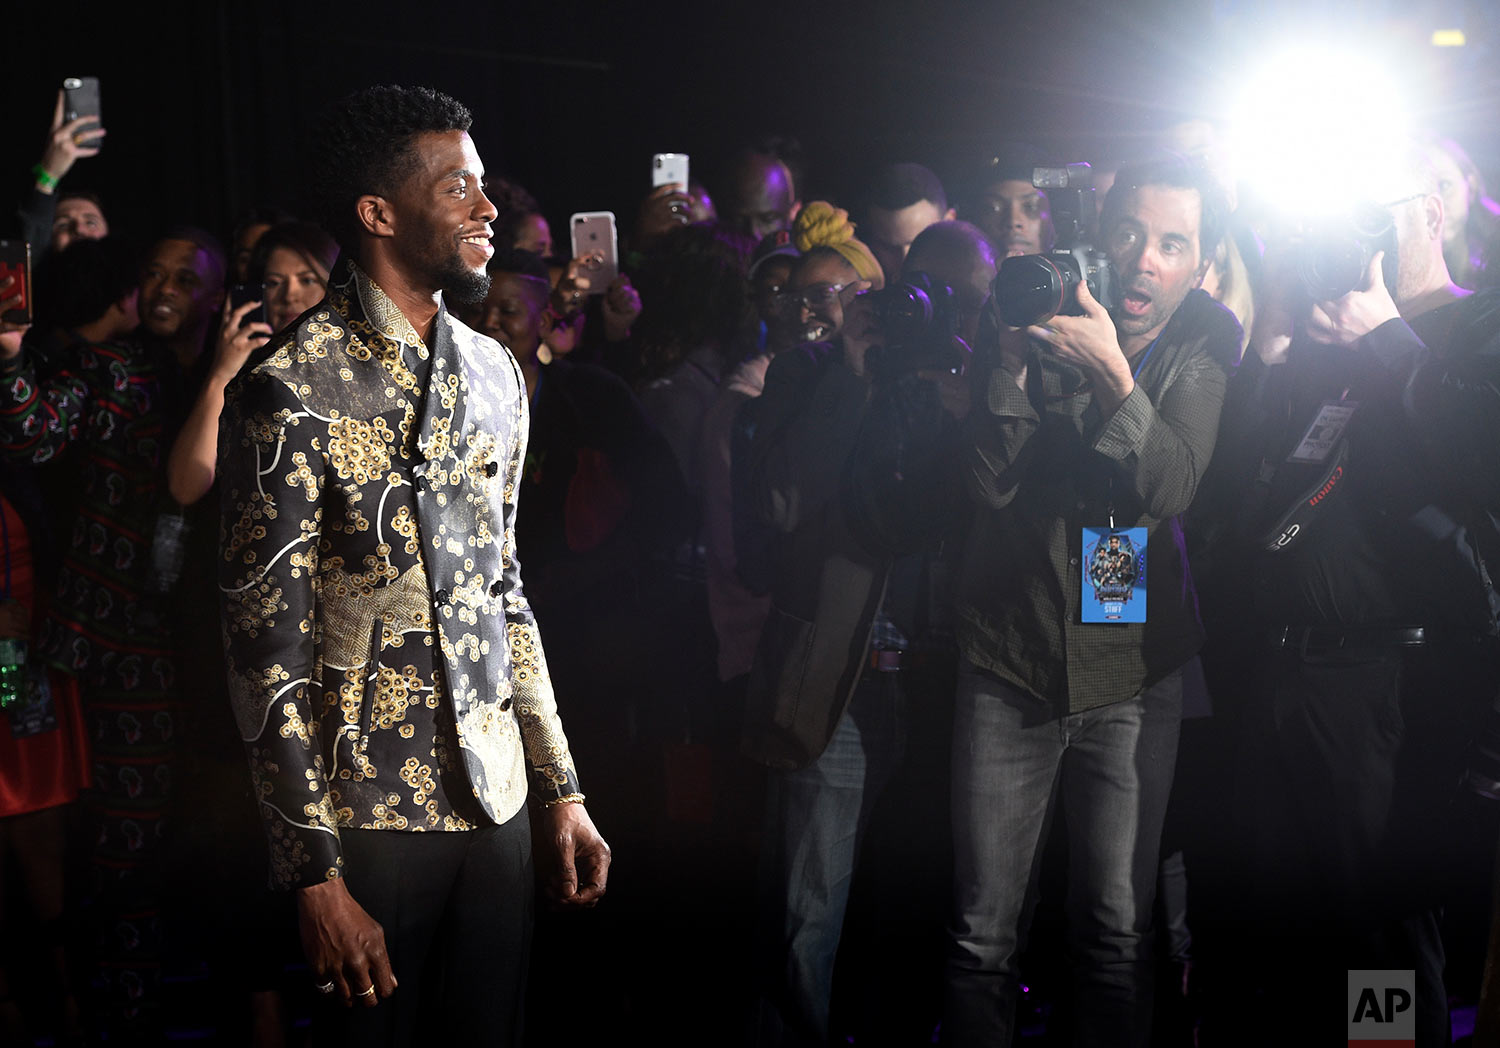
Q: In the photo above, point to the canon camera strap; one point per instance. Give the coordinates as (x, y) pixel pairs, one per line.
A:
(1293, 524)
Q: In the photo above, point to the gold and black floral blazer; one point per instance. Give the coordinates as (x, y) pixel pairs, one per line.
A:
(385, 668)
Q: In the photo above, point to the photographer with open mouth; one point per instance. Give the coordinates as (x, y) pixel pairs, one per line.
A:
(1096, 420)
(1353, 541)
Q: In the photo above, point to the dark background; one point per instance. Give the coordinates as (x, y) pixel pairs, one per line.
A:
(207, 104)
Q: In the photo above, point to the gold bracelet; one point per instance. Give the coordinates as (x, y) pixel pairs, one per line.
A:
(571, 798)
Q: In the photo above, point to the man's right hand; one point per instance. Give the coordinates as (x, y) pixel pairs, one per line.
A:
(344, 945)
(63, 148)
(664, 210)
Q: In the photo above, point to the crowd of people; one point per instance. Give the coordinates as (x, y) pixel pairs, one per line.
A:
(1174, 602)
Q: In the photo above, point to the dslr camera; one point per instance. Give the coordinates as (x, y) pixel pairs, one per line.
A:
(1032, 289)
(1335, 254)
(919, 319)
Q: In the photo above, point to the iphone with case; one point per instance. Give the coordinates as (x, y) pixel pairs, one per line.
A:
(81, 98)
(596, 243)
(667, 168)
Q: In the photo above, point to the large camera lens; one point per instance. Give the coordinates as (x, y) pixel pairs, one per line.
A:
(903, 304)
(1336, 255)
(1032, 289)
(1332, 266)
(918, 318)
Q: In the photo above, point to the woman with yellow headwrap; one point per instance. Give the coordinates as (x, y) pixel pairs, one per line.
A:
(821, 225)
(834, 268)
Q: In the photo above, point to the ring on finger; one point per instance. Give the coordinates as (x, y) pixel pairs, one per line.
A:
(326, 987)
(366, 992)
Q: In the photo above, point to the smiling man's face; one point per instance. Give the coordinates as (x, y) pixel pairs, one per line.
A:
(442, 218)
(180, 286)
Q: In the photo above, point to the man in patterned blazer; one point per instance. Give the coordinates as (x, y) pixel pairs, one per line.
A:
(385, 668)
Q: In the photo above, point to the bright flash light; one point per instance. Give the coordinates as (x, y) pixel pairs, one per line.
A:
(1448, 38)
(1317, 130)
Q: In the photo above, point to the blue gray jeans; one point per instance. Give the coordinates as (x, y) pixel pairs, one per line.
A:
(1111, 768)
(815, 820)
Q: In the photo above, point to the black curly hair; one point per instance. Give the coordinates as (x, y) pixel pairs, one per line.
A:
(695, 286)
(77, 285)
(363, 144)
(1175, 171)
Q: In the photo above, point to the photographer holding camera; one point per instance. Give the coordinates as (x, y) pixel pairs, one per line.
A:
(852, 459)
(1087, 426)
(1353, 509)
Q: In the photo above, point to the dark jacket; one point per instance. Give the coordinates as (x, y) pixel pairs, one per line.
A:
(835, 470)
(1044, 463)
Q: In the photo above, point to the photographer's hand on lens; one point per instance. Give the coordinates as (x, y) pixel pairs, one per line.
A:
(1089, 342)
(1345, 321)
(63, 149)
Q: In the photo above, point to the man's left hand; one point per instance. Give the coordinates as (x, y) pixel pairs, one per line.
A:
(572, 857)
(1089, 342)
(1345, 321)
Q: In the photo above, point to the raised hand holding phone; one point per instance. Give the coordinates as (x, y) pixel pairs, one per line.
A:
(76, 132)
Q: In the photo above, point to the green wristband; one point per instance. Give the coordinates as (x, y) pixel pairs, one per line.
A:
(44, 178)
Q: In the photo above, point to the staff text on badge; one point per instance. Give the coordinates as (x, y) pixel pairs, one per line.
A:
(1114, 575)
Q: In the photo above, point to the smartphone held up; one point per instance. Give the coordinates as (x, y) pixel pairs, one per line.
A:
(81, 99)
(596, 245)
(669, 168)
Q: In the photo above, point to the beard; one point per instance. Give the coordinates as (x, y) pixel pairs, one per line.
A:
(463, 286)
(440, 262)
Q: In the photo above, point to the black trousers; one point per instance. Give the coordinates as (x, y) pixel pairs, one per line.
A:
(1354, 761)
(457, 909)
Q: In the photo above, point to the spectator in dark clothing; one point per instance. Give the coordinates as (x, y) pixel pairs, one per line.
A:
(49, 219)
(115, 406)
(600, 489)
